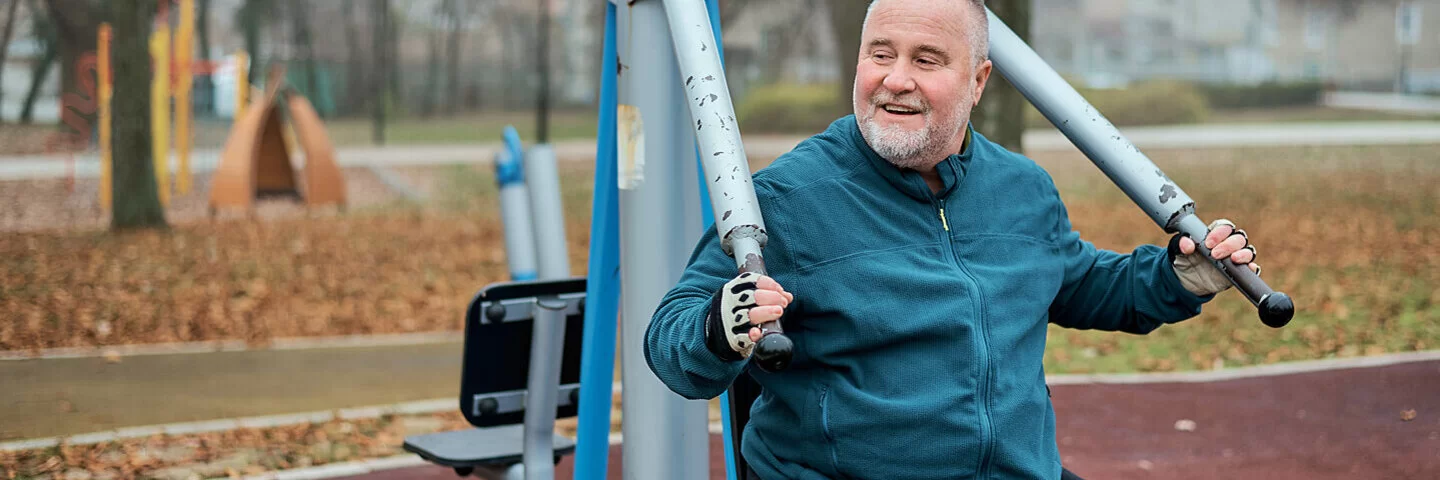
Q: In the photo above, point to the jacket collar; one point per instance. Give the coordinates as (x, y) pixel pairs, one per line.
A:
(951, 170)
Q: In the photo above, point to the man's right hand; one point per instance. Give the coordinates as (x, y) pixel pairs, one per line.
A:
(745, 302)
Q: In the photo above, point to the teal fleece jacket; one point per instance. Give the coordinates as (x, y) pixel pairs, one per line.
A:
(919, 318)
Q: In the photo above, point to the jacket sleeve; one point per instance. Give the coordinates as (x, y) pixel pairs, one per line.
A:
(1105, 290)
(675, 340)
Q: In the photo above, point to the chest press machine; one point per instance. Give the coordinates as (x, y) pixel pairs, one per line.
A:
(664, 433)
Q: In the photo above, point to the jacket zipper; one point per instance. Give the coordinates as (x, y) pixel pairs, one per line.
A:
(986, 423)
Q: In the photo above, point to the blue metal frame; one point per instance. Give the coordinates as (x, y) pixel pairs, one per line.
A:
(602, 292)
(597, 365)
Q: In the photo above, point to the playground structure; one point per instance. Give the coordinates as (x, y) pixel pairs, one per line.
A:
(260, 151)
(257, 159)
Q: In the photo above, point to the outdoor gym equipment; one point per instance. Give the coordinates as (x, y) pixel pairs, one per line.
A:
(642, 189)
(727, 172)
(515, 212)
(1131, 170)
(513, 391)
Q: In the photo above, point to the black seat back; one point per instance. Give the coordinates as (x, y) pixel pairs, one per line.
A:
(498, 326)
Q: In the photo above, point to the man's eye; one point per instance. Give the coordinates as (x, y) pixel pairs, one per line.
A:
(927, 62)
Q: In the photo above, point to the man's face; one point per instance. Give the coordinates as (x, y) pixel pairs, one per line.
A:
(916, 80)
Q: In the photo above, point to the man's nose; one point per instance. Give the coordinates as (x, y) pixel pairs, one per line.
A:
(898, 79)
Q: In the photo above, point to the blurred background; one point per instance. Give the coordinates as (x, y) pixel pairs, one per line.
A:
(1314, 124)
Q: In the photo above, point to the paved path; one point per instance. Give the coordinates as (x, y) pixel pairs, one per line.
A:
(763, 146)
(1338, 424)
(1385, 102)
(42, 398)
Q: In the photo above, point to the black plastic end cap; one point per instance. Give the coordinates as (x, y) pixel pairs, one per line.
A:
(1276, 310)
(772, 353)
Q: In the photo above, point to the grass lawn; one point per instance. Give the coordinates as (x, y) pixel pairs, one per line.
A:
(1350, 233)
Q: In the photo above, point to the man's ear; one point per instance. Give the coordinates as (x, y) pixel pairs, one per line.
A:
(982, 76)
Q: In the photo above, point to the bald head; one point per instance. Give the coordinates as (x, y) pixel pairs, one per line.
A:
(921, 69)
(974, 24)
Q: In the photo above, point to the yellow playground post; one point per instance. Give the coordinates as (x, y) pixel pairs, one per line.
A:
(184, 41)
(159, 109)
(242, 83)
(102, 70)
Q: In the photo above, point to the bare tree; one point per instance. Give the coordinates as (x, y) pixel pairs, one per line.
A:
(504, 18)
(5, 40)
(380, 21)
(205, 90)
(847, 19)
(357, 89)
(77, 25)
(1001, 113)
(458, 14)
(431, 97)
(136, 197)
(251, 18)
(44, 31)
(305, 47)
(542, 103)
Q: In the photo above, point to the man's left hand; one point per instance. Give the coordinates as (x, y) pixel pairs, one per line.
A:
(1224, 240)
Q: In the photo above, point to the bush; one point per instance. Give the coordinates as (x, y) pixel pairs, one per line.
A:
(788, 108)
(1263, 95)
(1145, 103)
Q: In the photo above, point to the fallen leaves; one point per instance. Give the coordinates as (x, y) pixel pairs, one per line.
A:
(244, 451)
(415, 275)
(1349, 233)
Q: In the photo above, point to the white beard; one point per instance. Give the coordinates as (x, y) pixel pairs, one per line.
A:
(902, 148)
(911, 149)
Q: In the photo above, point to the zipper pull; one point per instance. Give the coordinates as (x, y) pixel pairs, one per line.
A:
(943, 222)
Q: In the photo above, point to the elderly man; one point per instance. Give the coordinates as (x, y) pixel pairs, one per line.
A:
(916, 265)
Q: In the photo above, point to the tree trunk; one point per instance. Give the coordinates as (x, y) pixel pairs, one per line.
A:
(507, 59)
(1001, 113)
(357, 85)
(452, 53)
(44, 30)
(432, 78)
(5, 42)
(542, 97)
(202, 28)
(847, 19)
(380, 21)
(136, 198)
(300, 15)
(76, 23)
(251, 17)
(37, 81)
(204, 84)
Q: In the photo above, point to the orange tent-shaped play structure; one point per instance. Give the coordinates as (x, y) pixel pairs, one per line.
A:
(256, 160)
